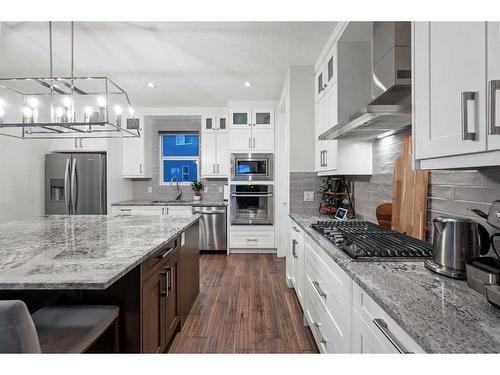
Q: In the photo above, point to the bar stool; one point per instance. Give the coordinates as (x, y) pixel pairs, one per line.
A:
(54, 329)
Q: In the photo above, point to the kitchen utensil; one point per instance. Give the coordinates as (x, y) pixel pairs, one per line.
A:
(456, 240)
(409, 204)
(384, 215)
(481, 272)
(493, 216)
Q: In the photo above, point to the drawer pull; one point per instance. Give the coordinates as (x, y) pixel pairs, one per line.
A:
(125, 209)
(382, 325)
(296, 230)
(294, 251)
(252, 239)
(320, 335)
(319, 290)
(165, 253)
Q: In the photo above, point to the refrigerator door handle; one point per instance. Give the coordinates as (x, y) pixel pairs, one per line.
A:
(74, 187)
(67, 187)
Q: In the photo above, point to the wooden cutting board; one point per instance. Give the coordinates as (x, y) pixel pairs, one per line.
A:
(409, 203)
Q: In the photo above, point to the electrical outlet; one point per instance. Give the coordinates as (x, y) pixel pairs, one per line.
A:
(308, 196)
(205, 189)
(150, 189)
(221, 189)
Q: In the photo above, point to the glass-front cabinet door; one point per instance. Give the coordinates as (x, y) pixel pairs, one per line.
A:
(263, 117)
(240, 117)
(209, 123)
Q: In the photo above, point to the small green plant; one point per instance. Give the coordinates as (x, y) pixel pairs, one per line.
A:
(197, 186)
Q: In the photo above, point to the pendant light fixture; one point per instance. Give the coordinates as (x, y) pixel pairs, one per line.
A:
(65, 107)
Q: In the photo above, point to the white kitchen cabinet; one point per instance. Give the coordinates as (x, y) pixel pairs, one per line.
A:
(136, 161)
(449, 88)
(252, 139)
(374, 331)
(152, 210)
(214, 145)
(251, 237)
(79, 144)
(493, 77)
(328, 293)
(343, 86)
(259, 117)
(295, 260)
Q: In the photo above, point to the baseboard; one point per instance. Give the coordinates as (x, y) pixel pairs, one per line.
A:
(252, 251)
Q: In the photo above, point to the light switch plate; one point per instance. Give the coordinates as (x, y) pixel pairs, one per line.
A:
(150, 189)
(308, 196)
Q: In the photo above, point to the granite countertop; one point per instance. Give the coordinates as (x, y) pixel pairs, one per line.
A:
(80, 252)
(159, 202)
(442, 315)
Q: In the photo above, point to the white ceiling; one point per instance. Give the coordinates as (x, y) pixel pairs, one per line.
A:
(192, 63)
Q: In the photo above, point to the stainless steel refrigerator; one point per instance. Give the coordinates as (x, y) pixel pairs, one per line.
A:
(75, 184)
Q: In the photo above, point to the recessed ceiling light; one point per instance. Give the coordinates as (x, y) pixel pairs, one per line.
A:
(151, 85)
(247, 84)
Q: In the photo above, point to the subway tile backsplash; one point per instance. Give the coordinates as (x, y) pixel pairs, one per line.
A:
(300, 182)
(451, 192)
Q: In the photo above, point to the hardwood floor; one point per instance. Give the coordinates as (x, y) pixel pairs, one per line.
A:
(244, 306)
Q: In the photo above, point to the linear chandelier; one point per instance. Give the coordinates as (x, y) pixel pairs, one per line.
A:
(65, 107)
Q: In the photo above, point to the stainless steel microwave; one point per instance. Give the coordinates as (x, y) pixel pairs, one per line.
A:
(252, 167)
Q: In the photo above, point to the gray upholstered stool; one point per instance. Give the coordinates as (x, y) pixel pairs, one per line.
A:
(54, 329)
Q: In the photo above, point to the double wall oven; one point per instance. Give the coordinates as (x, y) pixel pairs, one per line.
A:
(252, 205)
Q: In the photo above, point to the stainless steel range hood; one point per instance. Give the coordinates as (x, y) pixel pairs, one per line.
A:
(391, 84)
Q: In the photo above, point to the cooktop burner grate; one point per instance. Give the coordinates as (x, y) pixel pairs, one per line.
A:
(362, 239)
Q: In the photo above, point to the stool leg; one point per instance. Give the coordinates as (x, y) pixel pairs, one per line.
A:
(116, 336)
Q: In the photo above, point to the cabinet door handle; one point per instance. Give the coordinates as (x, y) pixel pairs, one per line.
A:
(294, 251)
(213, 168)
(218, 169)
(254, 142)
(326, 158)
(140, 168)
(167, 210)
(382, 325)
(249, 142)
(76, 143)
(169, 280)
(494, 87)
(466, 97)
(321, 338)
(81, 145)
(163, 285)
(319, 290)
(295, 229)
(163, 211)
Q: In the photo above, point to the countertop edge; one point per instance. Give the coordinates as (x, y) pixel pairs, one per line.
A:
(140, 203)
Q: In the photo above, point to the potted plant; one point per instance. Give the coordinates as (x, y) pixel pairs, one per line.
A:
(197, 186)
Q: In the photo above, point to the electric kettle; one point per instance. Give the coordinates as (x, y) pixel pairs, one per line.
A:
(455, 241)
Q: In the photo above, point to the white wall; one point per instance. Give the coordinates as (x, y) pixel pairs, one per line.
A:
(301, 109)
(119, 189)
(21, 178)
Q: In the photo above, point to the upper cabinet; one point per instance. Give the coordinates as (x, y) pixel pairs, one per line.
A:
(251, 128)
(136, 161)
(259, 117)
(214, 144)
(342, 87)
(454, 93)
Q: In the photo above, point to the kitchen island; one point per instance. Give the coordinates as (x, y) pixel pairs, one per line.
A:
(440, 314)
(146, 265)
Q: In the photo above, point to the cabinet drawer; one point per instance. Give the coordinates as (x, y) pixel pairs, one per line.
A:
(332, 276)
(329, 337)
(252, 239)
(179, 210)
(381, 324)
(333, 292)
(152, 263)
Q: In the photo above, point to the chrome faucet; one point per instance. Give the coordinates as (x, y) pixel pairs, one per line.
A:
(178, 190)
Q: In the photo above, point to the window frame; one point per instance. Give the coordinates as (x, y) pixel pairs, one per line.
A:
(162, 158)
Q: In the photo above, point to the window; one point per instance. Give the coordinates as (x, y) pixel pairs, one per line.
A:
(180, 156)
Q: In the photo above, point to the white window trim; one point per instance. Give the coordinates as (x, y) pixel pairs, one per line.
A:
(162, 158)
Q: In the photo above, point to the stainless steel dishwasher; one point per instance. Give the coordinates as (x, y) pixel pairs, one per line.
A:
(213, 228)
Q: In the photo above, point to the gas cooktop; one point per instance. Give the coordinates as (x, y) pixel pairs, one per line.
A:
(362, 239)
